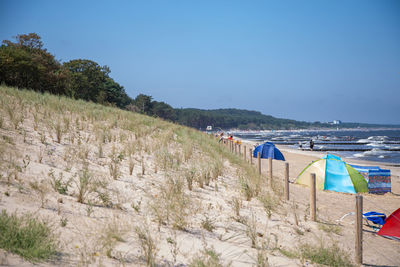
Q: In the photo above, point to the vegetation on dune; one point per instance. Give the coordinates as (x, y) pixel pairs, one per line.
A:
(119, 140)
(171, 164)
(27, 236)
(328, 255)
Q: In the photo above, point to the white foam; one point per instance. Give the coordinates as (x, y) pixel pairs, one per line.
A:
(378, 138)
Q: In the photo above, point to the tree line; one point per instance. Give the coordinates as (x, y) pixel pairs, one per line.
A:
(25, 63)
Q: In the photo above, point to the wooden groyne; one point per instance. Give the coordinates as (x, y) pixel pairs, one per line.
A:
(349, 149)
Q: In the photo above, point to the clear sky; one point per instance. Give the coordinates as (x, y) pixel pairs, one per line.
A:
(304, 60)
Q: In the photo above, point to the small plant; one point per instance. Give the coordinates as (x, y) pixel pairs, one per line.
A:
(89, 208)
(208, 224)
(187, 150)
(8, 139)
(136, 206)
(35, 121)
(269, 203)
(288, 253)
(251, 231)
(236, 205)
(190, 175)
(298, 231)
(111, 234)
(40, 155)
(100, 150)
(330, 256)
(294, 208)
(246, 189)
(208, 257)
(114, 164)
(26, 236)
(101, 189)
(59, 131)
(147, 245)
(330, 228)
(26, 160)
(63, 221)
(58, 184)
(24, 134)
(173, 248)
(262, 257)
(206, 177)
(132, 165)
(41, 189)
(172, 205)
(84, 184)
(42, 137)
(143, 166)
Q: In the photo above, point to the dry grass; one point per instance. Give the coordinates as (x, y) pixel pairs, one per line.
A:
(104, 158)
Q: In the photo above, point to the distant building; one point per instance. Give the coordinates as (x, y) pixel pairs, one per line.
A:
(336, 122)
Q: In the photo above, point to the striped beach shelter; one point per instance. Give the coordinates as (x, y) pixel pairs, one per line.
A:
(333, 174)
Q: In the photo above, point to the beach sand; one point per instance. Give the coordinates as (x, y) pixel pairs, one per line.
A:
(86, 239)
(331, 206)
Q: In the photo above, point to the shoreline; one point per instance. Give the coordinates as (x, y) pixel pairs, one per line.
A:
(371, 150)
(303, 158)
(315, 130)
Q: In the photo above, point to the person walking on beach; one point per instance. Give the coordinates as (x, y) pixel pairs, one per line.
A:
(311, 145)
(221, 137)
(300, 145)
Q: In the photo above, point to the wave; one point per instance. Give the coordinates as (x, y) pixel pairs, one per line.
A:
(373, 152)
(378, 138)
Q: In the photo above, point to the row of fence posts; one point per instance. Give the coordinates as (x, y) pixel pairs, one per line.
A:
(237, 149)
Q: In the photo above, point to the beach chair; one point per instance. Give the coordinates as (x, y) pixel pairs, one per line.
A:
(375, 217)
(372, 216)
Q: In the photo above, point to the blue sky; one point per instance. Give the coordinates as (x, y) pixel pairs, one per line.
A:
(303, 60)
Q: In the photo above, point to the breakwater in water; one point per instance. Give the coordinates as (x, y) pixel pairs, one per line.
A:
(382, 145)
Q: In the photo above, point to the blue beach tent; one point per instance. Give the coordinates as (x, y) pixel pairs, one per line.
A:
(268, 150)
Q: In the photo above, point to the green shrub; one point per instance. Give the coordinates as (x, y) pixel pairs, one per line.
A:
(26, 236)
(330, 256)
(208, 258)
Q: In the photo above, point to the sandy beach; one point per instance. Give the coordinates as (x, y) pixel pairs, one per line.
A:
(332, 206)
(159, 194)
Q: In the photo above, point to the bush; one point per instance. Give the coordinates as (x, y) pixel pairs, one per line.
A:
(27, 237)
(330, 256)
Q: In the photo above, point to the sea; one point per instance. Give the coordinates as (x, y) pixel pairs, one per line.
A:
(381, 145)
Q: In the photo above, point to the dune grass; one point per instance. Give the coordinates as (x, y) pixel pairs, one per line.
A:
(129, 146)
(328, 255)
(27, 237)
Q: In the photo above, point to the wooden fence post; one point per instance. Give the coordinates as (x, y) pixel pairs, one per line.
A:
(251, 156)
(244, 152)
(240, 149)
(358, 239)
(259, 162)
(286, 181)
(313, 199)
(270, 171)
